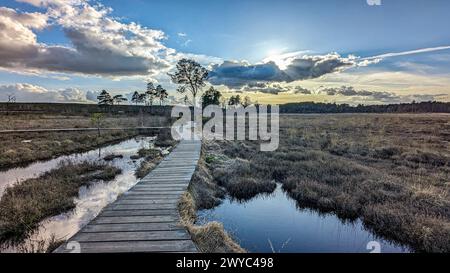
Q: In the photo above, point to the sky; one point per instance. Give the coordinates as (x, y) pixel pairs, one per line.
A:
(272, 51)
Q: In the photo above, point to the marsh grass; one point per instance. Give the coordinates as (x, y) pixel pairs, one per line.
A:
(51, 121)
(24, 205)
(151, 156)
(392, 171)
(18, 149)
(146, 166)
(21, 149)
(209, 238)
(111, 157)
(40, 245)
(164, 139)
(230, 173)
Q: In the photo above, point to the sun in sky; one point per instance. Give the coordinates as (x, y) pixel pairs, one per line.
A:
(289, 51)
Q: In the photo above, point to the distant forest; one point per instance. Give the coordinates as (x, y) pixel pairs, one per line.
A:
(300, 107)
(317, 107)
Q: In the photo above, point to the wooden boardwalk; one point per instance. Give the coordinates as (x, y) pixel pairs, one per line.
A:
(145, 218)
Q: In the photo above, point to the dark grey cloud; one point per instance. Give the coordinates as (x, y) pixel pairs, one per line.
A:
(380, 96)
(269, 88)
(100, 45)
(272, 88)
(301, 90)
(238, 74)
(234, 74)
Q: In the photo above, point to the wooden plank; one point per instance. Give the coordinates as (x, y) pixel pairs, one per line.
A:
(160, 189)
(180, 191)
(131, 193)
(142, 207)
(167, 184)
(156, 235)
(133, 227)
(146, 218)
(170, 182)
(148, 212)
(150, 197)
(150, 191)
(135, 219)
(138, 246)
(146, 201)
(141, 195)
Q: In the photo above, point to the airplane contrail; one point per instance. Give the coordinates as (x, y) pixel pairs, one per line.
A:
(410, 52)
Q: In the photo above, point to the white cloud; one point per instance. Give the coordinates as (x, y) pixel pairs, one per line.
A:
(102, 45)
(24, 92)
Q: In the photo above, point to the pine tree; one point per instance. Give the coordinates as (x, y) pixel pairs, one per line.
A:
(105, 98)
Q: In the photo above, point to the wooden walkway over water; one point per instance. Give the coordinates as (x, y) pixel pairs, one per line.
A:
(145, 218)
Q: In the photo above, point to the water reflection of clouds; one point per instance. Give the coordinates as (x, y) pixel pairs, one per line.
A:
(278, 218)
(93, 198)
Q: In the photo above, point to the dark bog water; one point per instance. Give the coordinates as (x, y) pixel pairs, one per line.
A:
(273, 223)
(14, 175)
(91, 200)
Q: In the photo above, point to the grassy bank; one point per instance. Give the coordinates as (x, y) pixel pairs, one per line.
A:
(53, 121)
(25, 205)
(391, 171)
(209, 238)
(22, 149)
(153, 156)
(217, 175)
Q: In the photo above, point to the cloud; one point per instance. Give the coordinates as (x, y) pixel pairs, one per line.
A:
(24, 92)
(184, 40)
(92, 95)
(46, 3)
(301, 90)
(101, 45)
(272, 88)
(295, 66)
(237, 74)
(378, 96)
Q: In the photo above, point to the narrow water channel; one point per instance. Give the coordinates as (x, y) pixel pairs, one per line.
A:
(92, 199)
(273, 223)
(14, 175)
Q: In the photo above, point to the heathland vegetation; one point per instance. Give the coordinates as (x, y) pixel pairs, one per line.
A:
(24, 205)
(28, 145)
(391, 171)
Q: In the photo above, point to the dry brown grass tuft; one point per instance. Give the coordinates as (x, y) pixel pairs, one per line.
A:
(151, 160)
(24, 205)
(209, 238)
(203, 189)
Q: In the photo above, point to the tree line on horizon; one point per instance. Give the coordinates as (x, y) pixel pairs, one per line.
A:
(148, 97)
(319, 107)
(191, 77)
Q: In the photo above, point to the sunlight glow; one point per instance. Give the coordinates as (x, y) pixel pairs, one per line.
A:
(282, 60)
